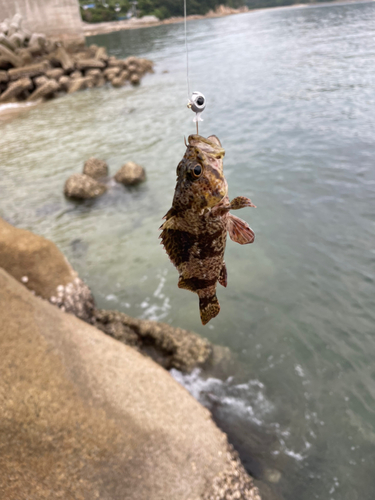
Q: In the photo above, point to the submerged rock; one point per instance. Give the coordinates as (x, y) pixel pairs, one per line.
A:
(130, 174)
(42, 268)
(83, 187)
(170, 347)
(95, 168)
(84, 416)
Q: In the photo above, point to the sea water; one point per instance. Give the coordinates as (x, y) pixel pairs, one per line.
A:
(291, 95)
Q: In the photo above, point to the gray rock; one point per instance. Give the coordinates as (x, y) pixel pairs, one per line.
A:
(4, 76)
(15, 89)
(95, 168)
(83, 187)
(130, 174)
(101, 53)
(171, 347)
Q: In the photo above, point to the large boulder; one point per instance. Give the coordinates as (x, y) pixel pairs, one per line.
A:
(95, 168)
(83, 187)
(83, 416)
(43, 269)
(130, 174)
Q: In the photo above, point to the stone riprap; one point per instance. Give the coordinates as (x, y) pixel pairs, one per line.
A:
(34, 67)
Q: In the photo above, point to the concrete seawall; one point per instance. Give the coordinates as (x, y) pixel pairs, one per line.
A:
(59, 19)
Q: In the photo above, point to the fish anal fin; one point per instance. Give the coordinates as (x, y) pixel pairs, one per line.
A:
(223, 276)
(239, 230)
(209, 307)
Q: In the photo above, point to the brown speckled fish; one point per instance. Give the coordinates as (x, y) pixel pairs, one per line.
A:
(195, 231)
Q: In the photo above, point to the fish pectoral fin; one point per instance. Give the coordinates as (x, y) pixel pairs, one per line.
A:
(241, 202)
(209, 307)
(223, 276)
(239, 230)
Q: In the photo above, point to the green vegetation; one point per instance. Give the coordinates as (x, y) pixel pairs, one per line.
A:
(111, 10)
(106, 10)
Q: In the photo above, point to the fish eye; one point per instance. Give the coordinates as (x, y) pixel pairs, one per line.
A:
(197, 170)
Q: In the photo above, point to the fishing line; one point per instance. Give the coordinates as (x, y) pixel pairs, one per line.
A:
(187, 52)
(196, 101)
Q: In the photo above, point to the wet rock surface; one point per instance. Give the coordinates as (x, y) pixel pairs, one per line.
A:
(83, 187)
(94, 167)
(170, 347)
(130, 174)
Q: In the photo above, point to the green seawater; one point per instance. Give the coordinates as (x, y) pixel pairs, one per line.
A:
(291, 95)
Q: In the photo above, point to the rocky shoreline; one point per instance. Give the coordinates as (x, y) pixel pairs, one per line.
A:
(91, 391)
(146, 22)
(33, 67)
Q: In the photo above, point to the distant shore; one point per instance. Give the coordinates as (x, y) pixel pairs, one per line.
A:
(91, 29)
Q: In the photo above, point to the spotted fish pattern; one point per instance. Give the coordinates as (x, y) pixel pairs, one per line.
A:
(195, 229)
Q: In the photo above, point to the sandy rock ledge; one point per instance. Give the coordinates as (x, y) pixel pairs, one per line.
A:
(86, 417)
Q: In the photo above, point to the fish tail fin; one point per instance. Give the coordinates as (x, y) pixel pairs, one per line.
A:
(209, 308)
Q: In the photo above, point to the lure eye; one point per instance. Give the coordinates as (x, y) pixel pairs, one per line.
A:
(197, 170)
(200, 101)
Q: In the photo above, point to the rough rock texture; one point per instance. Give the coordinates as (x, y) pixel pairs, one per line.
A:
(95, 168)
(16, 88)
(83, 187)
(170, 347)
(43, 269)
(45, 90)
(84, 416)
(232, 483)
(130, 174)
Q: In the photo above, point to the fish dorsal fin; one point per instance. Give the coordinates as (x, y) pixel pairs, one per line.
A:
(239, 230)
(215, 139)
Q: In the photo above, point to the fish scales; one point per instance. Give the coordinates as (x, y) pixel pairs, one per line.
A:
(194, 233)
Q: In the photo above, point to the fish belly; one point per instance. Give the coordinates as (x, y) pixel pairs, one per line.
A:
(199, 259)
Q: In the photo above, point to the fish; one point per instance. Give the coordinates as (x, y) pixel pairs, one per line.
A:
(195, 230)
